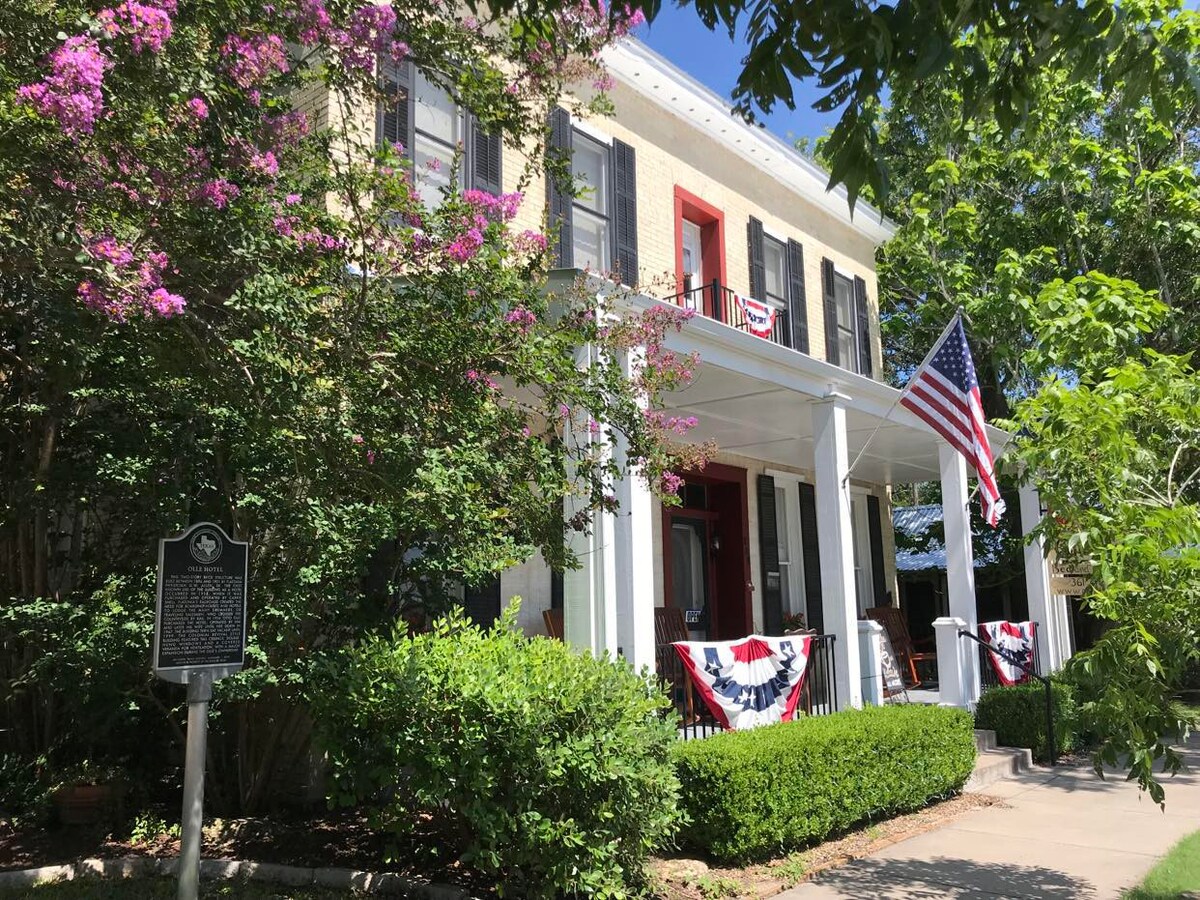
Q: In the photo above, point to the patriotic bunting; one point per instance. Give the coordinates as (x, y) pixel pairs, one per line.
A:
(749, 682)
(1010, 642)
(760, 317)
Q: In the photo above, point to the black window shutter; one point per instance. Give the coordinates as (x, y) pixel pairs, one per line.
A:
(768, 554)
(831, 323)
(394, 116)
(797, 303)
(810, 550)
(864, 327)
(558, 201)
(625, 244)
(482, 602)
(758, 265)
(875, 530)
(486, 152)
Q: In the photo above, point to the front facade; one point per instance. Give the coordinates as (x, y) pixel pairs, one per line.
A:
(689, 206)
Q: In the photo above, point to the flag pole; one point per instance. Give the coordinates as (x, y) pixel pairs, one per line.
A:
(886, 416)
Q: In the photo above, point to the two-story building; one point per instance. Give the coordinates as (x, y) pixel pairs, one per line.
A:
(694, 207)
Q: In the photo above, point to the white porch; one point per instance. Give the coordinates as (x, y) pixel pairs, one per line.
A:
(802, 421)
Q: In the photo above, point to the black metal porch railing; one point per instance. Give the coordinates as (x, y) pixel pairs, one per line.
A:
(987, 672)
(818, 696)
(716, 301)
(1031, 671)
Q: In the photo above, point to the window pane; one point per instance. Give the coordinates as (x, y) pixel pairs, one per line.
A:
(436, 114)
(847, 352)
(432, 167)
(589, 165)
(843, 291)
(693, 263)
(590, 241)
(773, 256)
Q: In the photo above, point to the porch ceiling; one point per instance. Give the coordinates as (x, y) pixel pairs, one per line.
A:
(753, 398)
(743, 415)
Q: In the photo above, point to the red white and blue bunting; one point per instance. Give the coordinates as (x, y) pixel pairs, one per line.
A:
(760, 317)
(1010, 642)
(749, 682)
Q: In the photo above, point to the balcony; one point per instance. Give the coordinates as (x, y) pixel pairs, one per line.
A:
(719, 302)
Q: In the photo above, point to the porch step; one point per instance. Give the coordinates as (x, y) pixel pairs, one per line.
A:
(985, 739)
(996, 764)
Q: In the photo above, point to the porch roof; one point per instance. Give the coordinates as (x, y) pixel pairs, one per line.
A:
(752, 398)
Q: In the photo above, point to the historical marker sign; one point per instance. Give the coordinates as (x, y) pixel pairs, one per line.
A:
(893, 680)
(201, 617)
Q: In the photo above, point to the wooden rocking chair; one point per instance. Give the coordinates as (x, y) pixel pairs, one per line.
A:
(553, 619)
(669, 627)
(896, 626)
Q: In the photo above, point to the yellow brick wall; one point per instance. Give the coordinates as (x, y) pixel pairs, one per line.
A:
(672, 152)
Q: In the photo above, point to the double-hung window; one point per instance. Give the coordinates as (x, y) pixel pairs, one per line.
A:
(422, 117)
(847, 322)
(590, 168)
(438, 133)
(775, 279)
(593, 221)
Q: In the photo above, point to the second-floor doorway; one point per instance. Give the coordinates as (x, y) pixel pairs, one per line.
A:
(693, 262)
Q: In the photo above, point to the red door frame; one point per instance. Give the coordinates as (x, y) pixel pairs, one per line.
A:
(731, 613)
(712, 240)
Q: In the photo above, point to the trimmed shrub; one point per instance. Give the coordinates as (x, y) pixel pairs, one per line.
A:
(542, 768)
(1018, 716)
(765, 792)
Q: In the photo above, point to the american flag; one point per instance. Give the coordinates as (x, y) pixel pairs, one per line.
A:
(944, 392)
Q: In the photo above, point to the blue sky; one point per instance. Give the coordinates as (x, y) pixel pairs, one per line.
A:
(711, 58)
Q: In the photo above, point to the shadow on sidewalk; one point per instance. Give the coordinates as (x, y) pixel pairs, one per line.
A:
(885, 879)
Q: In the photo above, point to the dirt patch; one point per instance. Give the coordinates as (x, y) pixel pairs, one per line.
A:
(693, 879)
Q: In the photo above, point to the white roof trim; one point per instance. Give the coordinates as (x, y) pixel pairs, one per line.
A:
(636, 65)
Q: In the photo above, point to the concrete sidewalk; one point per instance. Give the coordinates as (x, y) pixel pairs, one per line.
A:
(1062, 836)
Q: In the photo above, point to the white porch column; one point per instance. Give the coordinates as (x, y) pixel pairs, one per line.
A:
(953, 654)
(836, 541)
(1037, 582)
(870, 648)
(960, 562)
(589, 592)
(634, 558)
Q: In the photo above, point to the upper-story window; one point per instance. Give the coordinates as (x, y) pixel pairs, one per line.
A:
(590, 168)
(777, 278)
(438, 126)
(776, 274)
(418, 114)
(595, 223)
(847, 320)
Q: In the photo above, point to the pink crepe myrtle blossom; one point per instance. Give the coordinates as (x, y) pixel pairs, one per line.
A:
(523, 318)
(165, 303)
(670, 483)
(198, 108)
(292, 199)
(71, 94)
(107, 248)
(250, 61)
(220, 192)
(369, 33)
(148, 26)
(499, 206)
(356, 439)
(464, 247)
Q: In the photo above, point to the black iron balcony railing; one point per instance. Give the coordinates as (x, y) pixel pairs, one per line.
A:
(716, 301)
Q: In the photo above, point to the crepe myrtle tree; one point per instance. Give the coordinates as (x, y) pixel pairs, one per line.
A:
(212, 308)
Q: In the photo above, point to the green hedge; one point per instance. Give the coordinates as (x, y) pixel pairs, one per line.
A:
(755, 794)
(1018, 716)
(544, 769)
